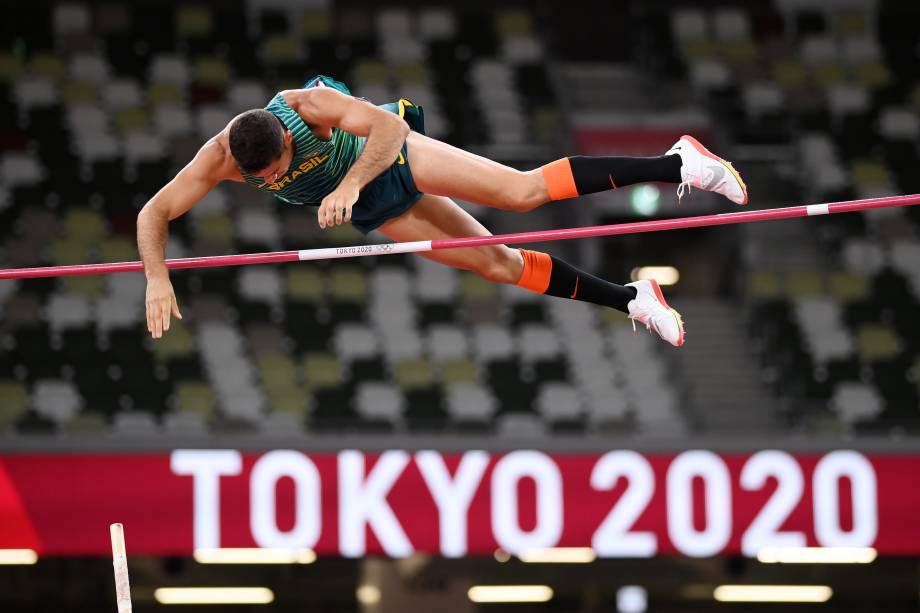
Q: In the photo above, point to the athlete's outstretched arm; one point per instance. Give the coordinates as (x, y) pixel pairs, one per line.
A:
(385, 132)
(179, 195)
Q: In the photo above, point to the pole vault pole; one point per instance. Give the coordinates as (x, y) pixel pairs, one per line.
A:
(656, 225)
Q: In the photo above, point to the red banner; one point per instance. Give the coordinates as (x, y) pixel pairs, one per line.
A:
(649, 141)
(622, 503)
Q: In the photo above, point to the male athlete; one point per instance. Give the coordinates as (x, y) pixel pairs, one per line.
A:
(373, 166)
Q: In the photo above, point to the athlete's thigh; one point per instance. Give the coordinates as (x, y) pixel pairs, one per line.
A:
(435, 217)
(439, 168)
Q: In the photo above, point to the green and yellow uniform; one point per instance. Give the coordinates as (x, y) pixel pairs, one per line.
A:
(319, 166)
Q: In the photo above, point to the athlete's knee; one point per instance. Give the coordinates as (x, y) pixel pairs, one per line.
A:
(524, 192)
(533, 190)
(504, 266)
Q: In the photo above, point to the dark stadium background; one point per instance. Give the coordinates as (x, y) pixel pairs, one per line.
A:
(803, 335)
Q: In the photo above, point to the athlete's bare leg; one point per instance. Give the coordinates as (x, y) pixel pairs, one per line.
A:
(439, 168)
(445, 170)
(436, 217)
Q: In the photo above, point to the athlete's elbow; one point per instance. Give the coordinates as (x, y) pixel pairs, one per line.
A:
(152, 213)
(147, 210)
(144, 213)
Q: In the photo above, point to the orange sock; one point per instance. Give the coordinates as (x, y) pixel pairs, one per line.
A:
(538, 268)
(559, 179)
(545, 274)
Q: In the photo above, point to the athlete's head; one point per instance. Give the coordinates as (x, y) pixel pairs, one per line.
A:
(259, 143)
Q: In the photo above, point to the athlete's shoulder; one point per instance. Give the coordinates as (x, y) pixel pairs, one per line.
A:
(315, 107)
(215, 160)
(320, 89)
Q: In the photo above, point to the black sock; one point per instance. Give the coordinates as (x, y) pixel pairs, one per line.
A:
(597, 174)
(566, 281)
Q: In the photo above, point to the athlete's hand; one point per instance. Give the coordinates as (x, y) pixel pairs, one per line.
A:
(336, 207)
(161, 302)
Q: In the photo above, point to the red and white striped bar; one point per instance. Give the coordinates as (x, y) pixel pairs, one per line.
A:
(517, 238)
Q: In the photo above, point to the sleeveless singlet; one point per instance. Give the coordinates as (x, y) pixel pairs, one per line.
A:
(318, 166)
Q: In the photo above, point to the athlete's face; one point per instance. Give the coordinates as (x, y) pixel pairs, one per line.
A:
(276, 169)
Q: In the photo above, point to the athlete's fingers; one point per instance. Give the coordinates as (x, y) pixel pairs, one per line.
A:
(164, 313)
(159, 317)
(154, 321)
(330, 212)
(148, 311)
(321, 214)
(175, 308)
(348, 213)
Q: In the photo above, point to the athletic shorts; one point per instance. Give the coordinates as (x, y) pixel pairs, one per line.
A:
(393, 192)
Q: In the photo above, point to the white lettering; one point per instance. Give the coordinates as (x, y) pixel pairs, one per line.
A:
(613, 537)
(509, 470)
(829, 471)
(717, 500)
(362, 502)
(271, 467)
(452, 496)
(764, 531)
(206, 467)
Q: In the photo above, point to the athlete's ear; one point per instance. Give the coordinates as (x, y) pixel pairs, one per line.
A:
(288, 137)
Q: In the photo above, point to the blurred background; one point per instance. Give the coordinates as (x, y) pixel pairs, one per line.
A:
(803, 335)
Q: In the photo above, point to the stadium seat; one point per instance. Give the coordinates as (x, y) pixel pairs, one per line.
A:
(606, 407)
(854, 402)
(316, 24)
(134, 425)
(322, 371)
(447, 342)
(70, 18)
(459, 371)
(87, 423)
(184, 424)
(520, 425)
(194, 21)
(413, 373)
(20, 169)
(354, 341)
(348, 284)
(437, 24)
(194, 397)
(877, 342)
(56, 400)
(491, 342)
(14, 402)
(172, 69)
(559, 403)
(688, 25)
(469, 404)
(380, 402)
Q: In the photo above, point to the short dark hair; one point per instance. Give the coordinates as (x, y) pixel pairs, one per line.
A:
(256, 140)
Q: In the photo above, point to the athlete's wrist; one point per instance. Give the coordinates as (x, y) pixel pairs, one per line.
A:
(156, 272)
(350, 182)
